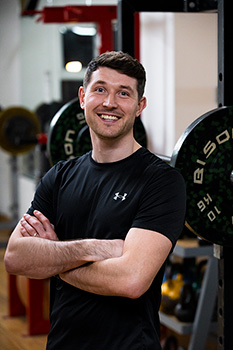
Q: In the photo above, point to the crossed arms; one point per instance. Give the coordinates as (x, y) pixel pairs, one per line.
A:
(106, 267)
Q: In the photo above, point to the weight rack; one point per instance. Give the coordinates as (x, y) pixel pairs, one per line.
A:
(125, 12)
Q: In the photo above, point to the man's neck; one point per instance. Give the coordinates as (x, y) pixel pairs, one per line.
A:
(105, 151)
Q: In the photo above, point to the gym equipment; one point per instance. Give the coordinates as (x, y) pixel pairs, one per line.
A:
(204, 154)
(126, 12)
(45, 113)
(19, 130)
(170, 343)
(186, 307)
(34, 305)
(199, 275)
(171, 290)
(69, 134)
(65, 132)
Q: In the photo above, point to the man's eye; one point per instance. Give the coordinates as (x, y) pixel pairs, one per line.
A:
(124, 93)
(99, 89)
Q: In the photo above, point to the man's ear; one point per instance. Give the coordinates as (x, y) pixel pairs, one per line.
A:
(141, 105)
(81, 95)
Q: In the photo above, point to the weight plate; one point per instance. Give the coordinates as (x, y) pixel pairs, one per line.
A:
(64, 130)
(140, 132)
(19, 128)
(204, 156)
(69, 134)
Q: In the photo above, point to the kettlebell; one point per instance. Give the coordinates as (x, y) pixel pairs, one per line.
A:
(171, 293)
(186, 307)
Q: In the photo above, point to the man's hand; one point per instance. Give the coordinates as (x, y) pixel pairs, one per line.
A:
(37, 226)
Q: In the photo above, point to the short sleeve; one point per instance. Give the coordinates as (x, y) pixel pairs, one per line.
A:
(163, 204)
(45, 195)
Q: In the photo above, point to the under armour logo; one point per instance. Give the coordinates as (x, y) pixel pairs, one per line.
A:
(120, 196)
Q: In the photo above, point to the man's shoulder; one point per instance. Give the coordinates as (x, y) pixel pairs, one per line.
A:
(72, 163)
(64, 169)
(156, 168)
(152, 161)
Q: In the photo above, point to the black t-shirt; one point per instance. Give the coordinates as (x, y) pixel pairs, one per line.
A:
(86, 199)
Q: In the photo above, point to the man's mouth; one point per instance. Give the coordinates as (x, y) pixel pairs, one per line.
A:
(108, 117)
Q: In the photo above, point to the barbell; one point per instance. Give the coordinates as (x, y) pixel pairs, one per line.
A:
(203, 155)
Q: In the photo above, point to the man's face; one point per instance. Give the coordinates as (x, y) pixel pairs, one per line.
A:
(111, 103)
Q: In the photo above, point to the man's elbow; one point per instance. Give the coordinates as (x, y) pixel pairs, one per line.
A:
(12, 266)
(135, 288)
(9, 267)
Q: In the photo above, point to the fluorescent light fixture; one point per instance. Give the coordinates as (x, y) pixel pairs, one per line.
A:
(73, 66)
(87, 31)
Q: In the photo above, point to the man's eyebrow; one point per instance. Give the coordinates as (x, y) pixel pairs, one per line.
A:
(102, 82)
(126, 87)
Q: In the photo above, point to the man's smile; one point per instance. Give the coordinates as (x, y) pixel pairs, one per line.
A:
(108, 117)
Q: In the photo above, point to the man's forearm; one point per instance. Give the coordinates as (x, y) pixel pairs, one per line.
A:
(110, 277)
(101, 277)
(129, 275)
(36, 257)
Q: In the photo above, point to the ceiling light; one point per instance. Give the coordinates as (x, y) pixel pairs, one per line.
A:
(73, 66)
(86, 31)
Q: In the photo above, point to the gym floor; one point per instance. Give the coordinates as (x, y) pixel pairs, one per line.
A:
(13, 330)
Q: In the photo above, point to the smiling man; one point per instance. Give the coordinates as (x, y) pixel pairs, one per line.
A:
(102, 225)
(113, 97)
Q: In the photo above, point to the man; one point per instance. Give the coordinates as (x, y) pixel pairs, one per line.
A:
(127, 207)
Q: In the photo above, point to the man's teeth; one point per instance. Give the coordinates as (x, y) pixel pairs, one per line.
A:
(108, 117)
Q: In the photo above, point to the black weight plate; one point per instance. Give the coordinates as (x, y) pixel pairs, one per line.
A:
(69, 135)
(64, 129)
(204, 156)
(83, 141)
(19, 128)
(139, 132)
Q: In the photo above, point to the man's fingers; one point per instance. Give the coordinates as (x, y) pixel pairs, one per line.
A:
(24, 232)
(49, 232)
(44, 221)
(37, 225)
(33, 224)
(26, 228)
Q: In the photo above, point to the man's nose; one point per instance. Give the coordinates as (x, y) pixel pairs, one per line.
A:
(110, 101)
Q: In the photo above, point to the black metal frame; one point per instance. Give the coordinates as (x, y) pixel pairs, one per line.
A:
(127, 8)
(225, 98)
(125, 13)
